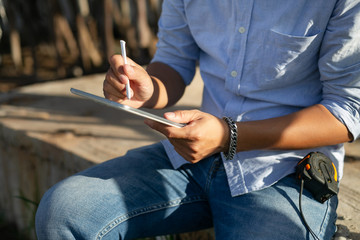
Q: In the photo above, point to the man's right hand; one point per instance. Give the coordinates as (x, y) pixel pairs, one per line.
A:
(114, 87)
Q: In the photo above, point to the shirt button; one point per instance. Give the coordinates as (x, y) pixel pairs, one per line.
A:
(241, 29)
(233, 73)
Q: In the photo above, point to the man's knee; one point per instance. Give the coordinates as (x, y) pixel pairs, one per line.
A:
(56, 209)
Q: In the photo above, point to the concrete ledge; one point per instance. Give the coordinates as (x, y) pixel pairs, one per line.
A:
(47, 134)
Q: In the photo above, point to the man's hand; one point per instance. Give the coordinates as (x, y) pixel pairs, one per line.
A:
(203, 135)
(119, 74)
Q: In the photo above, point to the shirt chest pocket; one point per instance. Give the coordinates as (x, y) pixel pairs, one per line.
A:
(286, 59)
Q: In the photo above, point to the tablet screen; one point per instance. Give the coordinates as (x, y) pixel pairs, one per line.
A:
(126, 108)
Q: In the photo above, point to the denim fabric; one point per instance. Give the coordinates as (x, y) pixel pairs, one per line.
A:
(140, 194)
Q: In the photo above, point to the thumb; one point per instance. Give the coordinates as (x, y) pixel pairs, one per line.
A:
(135, 72)
(184, 116)
(129, 70)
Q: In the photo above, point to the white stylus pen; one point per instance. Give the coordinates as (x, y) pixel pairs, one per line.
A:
(123, 53)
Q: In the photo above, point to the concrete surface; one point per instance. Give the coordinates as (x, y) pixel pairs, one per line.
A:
(46, 134)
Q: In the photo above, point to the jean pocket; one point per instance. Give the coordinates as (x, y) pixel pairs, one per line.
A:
(286, 57)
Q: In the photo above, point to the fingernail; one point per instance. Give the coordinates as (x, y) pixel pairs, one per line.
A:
(129, 69)
(170, 114)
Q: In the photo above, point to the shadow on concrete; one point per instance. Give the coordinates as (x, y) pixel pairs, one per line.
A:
(65, 110)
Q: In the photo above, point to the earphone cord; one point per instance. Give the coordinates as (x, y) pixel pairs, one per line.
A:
(302, 215)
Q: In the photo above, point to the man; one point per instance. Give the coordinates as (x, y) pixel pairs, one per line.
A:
(281, 79)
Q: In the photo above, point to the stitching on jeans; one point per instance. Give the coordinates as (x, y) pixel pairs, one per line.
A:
(214, 167)
(144, 210)
(209, 176)
(326, 218)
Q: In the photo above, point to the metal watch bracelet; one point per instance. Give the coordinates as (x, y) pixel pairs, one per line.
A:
(233, 138)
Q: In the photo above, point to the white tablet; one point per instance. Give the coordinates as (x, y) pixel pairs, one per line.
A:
(126, 108)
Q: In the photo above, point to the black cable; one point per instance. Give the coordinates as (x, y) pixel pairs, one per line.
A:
(301, 212)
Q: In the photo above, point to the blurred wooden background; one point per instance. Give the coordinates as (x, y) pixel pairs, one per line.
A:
(53, 39)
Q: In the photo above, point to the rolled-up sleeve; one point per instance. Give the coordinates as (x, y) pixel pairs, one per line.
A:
(339, 65)
(176, 46)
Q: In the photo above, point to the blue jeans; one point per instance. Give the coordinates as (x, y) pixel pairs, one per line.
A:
(140, 195)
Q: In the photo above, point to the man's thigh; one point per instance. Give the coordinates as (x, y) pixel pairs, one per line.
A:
(271, 213)
(134, 196)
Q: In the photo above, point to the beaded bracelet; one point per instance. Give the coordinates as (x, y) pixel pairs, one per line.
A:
(233, 138)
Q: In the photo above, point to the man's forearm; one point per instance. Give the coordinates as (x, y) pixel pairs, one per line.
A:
(312, 127)
(168, 85)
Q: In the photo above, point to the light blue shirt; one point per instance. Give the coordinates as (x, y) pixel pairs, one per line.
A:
(261, 59)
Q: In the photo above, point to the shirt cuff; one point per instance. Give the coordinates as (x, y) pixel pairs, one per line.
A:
(345, 114)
